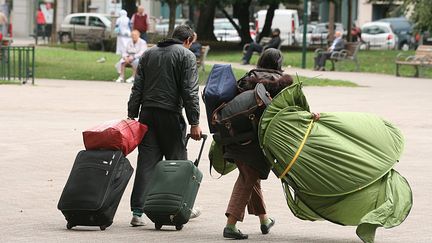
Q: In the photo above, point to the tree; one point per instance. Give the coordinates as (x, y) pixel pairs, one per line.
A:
(130, 6)
(205, 26)
(421, 14)
(172, 5)
(241, 11)
(272, 6)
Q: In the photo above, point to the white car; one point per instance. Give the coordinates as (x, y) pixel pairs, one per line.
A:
(298, 37)
(225, 31)
(79, 26)
(378, 35)
(163, 25)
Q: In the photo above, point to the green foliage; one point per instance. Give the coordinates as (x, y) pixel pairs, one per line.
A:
(421, 14)
(375, 61)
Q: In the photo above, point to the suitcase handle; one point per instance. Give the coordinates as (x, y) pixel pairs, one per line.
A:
(204, 138)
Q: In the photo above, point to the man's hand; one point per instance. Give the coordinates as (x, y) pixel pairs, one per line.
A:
(195, 132)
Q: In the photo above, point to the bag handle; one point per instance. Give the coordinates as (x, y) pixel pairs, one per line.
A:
(204, 138)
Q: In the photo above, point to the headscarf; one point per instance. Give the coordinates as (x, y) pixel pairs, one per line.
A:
(271, 58)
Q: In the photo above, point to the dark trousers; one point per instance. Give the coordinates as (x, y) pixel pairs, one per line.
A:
(143, 35)
(165, 138)
(253, 46)
(320, 60)
(246, 192)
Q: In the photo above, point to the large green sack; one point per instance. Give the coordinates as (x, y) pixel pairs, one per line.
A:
(343, 173)
(217, 161)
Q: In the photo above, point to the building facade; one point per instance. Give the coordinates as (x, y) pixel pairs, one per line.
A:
(23, 12)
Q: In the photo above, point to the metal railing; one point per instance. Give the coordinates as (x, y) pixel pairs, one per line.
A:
(17, 63)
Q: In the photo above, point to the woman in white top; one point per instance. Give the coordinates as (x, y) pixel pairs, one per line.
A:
(123, 32)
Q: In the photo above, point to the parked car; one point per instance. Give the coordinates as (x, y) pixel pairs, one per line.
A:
(79, 26)
(320, 33)
(163, 25)
(225, 31)
(379, 35)
(286, 20)
(299, 34)
(404, 31)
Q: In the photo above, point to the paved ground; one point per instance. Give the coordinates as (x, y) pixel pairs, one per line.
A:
(41, 133)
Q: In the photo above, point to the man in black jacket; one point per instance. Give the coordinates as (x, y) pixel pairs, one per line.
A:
(166, 81)
(253, 46)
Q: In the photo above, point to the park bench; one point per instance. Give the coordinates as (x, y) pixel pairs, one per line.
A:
(422, 58)
(262, 42)
(349, 53)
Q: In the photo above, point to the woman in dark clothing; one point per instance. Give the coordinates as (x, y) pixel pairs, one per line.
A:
(249, 158)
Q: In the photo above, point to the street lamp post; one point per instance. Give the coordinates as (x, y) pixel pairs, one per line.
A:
(305, 22)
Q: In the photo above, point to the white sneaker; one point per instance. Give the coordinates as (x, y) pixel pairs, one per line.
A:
(130, 80)
(137, 221)
(119, 80)
(195, 212)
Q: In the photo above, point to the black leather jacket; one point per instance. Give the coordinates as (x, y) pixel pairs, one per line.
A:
(166, 78)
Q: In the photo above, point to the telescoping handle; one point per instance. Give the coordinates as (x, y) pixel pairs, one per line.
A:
(204, 138)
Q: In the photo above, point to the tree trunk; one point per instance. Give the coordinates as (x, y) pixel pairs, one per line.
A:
(231, 20)
(331, 28)
(172, 16)
(205, 25)
(54, 24)
(130, 7)
(349, 36)
(241, 11)
(266, 30)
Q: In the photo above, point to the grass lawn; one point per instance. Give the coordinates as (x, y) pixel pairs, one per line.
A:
(371, 61)
(66, 63)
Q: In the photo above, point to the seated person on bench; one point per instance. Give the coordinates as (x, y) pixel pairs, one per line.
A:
(273, 43)
(337, 45)
(196, 47)
(134, 50)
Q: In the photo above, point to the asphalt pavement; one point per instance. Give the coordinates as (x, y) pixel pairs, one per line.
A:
(41, 130)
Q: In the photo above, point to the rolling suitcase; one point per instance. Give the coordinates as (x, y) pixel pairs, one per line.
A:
(172, 191)
(94, 188)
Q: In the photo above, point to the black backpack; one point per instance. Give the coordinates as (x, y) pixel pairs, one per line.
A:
(237, 121)
(274, 81)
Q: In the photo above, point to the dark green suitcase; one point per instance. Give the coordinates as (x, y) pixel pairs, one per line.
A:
(172, 191)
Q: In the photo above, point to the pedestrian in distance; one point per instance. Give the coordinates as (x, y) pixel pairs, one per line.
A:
(122, 29)
(166, 82)
(139, 22)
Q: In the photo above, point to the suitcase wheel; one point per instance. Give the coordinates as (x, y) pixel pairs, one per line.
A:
(69, 226)
(103, 227)
(158, 226)
(179, 227)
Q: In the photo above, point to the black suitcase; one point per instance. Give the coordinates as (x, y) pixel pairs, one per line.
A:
(94, 188)
(172, 191)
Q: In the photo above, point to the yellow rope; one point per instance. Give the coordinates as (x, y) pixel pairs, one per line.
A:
(288, 168)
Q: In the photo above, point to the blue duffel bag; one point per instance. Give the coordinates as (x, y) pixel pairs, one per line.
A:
(221, 87)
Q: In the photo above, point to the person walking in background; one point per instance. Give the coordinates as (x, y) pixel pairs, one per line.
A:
(140, 22)
(165, 82)
(134, 50)
(253, 46)
(337, 45)
(123, 32)
(48, 13)
(3, 24)
(196, 46)
(40, 24)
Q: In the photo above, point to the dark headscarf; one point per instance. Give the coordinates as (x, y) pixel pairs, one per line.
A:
(271, 58)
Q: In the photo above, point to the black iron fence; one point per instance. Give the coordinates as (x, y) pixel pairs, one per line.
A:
(17, 63)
